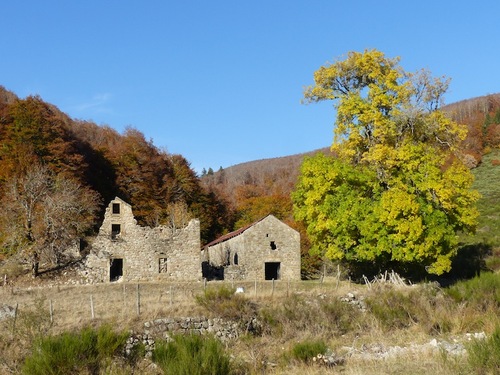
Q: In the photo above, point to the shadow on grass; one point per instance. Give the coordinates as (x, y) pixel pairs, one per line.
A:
(61, 267)
(469, 262)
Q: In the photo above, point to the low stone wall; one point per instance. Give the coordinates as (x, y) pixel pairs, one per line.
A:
(166, 327)
(224, 330)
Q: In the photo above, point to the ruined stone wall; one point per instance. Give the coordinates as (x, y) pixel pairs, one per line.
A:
(223, 254)
(223, 329)
(268, 240)
(235, 272)
(159, 253)
(182, 249)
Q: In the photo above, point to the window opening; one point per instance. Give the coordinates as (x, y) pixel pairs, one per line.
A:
(235, 259)
(273, 245)
(116, 208)
(115, 230)
(272, 270)
(162, 265)
(115, 269)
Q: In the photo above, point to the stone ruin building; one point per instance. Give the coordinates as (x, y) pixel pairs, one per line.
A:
(265, 250)
(126, 251)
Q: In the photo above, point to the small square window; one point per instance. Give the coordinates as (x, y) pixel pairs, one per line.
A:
(273, 245)
(116, 208)
(115, 230)
(162, 265)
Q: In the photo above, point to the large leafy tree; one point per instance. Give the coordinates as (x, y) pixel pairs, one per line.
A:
(397, 191)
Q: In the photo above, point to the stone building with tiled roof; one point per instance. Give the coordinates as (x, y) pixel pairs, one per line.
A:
(265, 250)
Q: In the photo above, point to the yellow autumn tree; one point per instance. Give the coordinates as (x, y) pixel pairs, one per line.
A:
(397, 193)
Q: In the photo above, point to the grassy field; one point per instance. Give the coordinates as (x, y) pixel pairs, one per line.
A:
(387, 331)
(487, 182)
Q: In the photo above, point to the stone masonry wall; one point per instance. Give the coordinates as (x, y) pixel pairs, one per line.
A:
(160, 253)
(267, 241)
(223, 329)
(164, 328)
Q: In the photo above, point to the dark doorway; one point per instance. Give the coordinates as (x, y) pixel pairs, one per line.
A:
(115, 269)
(272, 270)
(210, 272)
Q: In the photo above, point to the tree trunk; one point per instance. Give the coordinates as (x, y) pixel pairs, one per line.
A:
(35, 262)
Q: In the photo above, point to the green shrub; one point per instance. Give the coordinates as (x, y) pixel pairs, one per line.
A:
(484, 355)
(307, 350)
(339, 316)
(109, 343)
(33, 322)
(398, 309)
(192, 355)
(63, 354)
(312, 315)
(482, 291)
(271, 322)
(70, 353)
(224, 303)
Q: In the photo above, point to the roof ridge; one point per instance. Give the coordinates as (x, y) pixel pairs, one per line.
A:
(235, 233)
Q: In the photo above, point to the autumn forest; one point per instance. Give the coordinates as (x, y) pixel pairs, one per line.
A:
(74, 168)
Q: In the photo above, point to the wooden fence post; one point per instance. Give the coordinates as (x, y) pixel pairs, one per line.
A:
(138, 300)
(51, 310)
(92, 307)
(15, 318)
(338, 276)
(124, 292)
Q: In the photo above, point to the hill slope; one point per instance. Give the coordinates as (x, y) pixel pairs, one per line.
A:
(157, 184)
(481, 116)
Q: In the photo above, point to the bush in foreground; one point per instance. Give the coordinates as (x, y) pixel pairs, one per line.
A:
(86, 351)
(307, 350)
(483, 291)
(222, 302)
(192, 355)
(484, 355)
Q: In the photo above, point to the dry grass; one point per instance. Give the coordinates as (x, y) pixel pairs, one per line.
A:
(290, 313)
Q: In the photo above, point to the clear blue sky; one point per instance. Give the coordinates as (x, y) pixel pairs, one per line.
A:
(220, 82)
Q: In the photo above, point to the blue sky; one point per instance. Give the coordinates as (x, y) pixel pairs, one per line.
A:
(221, 82)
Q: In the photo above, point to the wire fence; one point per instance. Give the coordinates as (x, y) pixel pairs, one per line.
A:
(67, 305)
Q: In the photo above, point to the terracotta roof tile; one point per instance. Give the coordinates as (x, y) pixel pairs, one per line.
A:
(233, 234)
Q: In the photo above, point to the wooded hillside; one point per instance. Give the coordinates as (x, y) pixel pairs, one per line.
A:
(481, 115)
(256, 188)
(161, 187)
